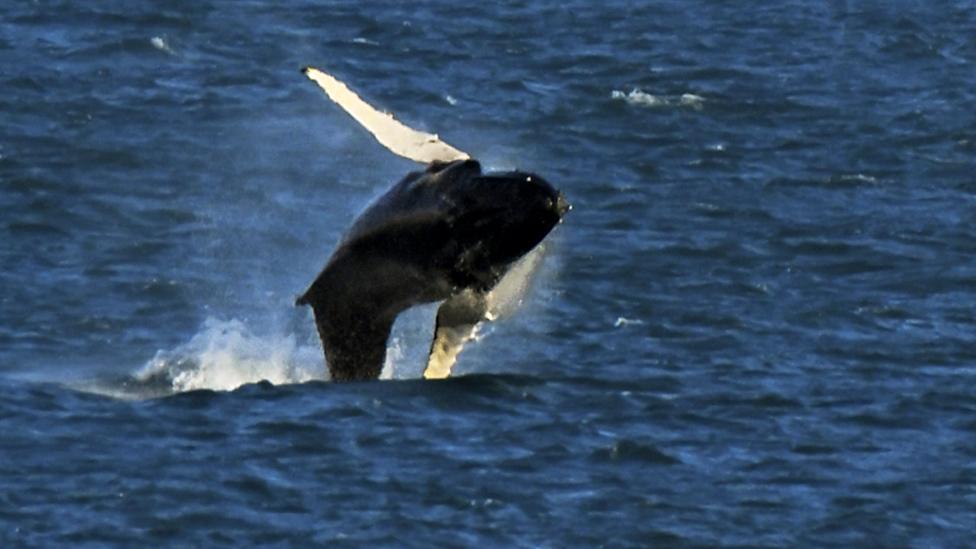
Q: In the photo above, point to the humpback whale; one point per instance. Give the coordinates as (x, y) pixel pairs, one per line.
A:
(448, 233)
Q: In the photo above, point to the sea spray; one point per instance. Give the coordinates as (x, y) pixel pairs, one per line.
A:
(226, 354)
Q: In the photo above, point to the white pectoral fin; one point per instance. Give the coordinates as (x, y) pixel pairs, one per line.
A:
(447, 345)
(399, 139)
(459, 317)
(457, 323)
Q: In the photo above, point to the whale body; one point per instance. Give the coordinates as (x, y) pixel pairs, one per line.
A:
(449, 234)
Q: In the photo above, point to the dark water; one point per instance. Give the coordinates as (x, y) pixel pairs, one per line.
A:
(756, 327)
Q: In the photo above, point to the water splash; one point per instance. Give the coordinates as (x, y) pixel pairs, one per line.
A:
(394, 355)
(225, 355)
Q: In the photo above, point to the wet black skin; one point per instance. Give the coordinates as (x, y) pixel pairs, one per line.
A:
(432, 235)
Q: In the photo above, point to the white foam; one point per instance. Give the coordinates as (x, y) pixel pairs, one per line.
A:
(623, 321)
(160, 44)
(638, 97)
(858, 178)
(226, 354)
(641, 98)
(691, 100)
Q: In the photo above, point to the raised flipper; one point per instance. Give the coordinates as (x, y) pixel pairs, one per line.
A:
(457, 323)
(391, 133)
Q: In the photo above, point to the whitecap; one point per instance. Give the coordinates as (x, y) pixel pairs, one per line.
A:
(857, 178)
(640, 98)
(863, 178)
(622, 321)
(160, 44)
(692, 100)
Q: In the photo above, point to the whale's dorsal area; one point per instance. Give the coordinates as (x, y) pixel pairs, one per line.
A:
(449, 233)
(391, 133)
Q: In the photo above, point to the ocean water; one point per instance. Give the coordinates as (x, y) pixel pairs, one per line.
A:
(756, 327)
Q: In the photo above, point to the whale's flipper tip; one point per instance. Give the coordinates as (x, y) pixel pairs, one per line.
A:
(397, 137)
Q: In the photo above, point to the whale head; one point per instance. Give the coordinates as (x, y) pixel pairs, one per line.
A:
(493, 218)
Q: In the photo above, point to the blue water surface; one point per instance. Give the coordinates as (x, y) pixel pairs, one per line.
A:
(756, 327)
